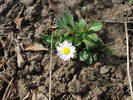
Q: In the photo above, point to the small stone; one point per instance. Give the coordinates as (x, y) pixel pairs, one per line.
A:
(27, 2)
(39, 31)
(62, 88)
(44, 12)
(42, 89)
(104, 70)
(103, 89)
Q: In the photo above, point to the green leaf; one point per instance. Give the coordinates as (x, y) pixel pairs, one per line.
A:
(61, 24)
(96, 26)
(70, 39)
(109, 51)
(83, 55)
(80, 35)
(93, 36)
(130, 2)
(90, 59)
(95, 57)
(67, 22)
(83, 9)
(69, 19)
(47, 38)
(77, 42)
(57, 40)
(81, 25)
(66, 34)
(88, 43)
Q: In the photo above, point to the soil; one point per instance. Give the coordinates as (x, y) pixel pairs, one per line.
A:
(23, 22)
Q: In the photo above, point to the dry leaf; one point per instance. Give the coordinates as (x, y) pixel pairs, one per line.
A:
(20, 59)
(36, 47)
(36, 58)
(77, 12)
(18, 22)
(53, 6)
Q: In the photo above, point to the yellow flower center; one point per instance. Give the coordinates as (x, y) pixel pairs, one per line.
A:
(66, 51)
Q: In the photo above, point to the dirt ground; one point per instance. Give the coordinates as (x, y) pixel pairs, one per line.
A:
(24, 72)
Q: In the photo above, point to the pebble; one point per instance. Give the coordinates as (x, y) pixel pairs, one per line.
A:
(27, 2)
(104, 70)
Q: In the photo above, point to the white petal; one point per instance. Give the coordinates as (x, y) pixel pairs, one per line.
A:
(60, 52)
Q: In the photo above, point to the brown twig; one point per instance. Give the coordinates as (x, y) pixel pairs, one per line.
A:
(50, 69)
(6, 7)
(109, 21)
(130, 29)
(26, 97)
(128, 61)
(8, 90)
(11, 40)
(4, 78)
(21, 11)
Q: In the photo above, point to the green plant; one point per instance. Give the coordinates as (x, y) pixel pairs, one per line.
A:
(89, 46)
(130, 2)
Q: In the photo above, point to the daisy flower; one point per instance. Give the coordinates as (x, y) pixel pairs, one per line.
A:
(66, 50)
